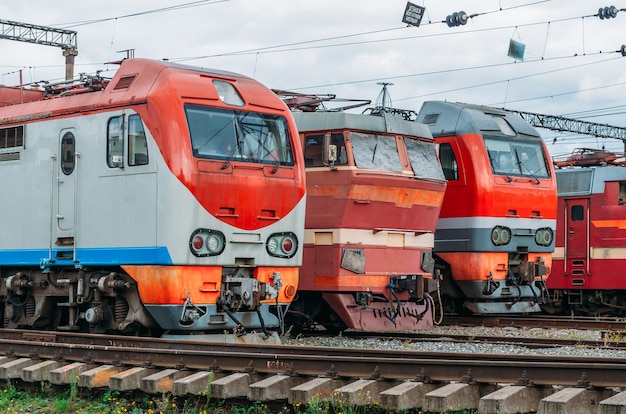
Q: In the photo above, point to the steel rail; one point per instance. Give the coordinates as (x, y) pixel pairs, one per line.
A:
(315, 361)
(526, 321)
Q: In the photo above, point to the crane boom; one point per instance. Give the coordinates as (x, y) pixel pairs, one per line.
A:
(42, 35)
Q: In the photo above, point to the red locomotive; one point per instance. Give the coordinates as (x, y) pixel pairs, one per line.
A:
(495, 234)
(590, 252)
(374, 192)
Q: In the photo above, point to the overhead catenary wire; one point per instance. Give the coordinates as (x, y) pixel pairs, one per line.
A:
(335, 41)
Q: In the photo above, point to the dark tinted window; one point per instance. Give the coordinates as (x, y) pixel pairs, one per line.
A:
(448, 162)
(578, 213)
(68, 149)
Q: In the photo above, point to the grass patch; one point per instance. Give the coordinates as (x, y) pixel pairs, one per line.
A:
(45, 399)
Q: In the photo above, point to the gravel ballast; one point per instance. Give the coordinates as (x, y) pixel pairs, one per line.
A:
(474, 347)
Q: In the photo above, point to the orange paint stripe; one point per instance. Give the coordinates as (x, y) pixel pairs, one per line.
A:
(619, 224)
(403, 197)
(481, 266)
(201, 284)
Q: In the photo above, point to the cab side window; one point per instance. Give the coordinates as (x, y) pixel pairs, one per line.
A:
(129, 132)
(115, 143)
(448, 162)
(314, 150)
(342, 155)
(137, 144)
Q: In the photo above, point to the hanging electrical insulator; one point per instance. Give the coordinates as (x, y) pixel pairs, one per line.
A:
(607, 12)
(623, 50)
(457, 19)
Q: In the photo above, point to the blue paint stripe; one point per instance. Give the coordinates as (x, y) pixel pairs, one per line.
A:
(92, 257)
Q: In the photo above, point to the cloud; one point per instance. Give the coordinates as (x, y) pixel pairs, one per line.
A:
(346, 47)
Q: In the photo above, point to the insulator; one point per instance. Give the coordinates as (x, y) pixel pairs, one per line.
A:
(607, 12)
(457, 19)
(623, 50)
(462, 18)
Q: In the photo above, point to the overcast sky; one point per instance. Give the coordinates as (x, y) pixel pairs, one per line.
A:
(572, 65)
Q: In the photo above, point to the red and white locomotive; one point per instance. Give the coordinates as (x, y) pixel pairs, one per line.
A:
(590, 255)
(495, 233)
(168, 199)
(374, 192)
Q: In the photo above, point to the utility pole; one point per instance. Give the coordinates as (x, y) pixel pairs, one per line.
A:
(42, 35)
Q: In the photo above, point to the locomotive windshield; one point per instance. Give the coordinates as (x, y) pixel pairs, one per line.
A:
(246, 136)
(511, 157)
(377, 152)
(423, 159)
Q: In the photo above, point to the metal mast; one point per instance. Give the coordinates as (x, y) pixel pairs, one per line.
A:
(42, 35)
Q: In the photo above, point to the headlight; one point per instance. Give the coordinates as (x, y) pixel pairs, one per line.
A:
(272, 245)
(500, 235)
(283, 245)
(544, 236)
(205, 242)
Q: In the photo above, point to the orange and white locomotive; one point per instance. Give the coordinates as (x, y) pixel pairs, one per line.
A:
(495, 234)
(168, 199)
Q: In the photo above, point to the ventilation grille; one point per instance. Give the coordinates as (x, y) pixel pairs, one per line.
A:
(12, 137)
(124, 82)
(430, 119)
(9, 156)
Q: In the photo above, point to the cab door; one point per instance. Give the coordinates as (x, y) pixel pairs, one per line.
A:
(66, 187)
(577, 240)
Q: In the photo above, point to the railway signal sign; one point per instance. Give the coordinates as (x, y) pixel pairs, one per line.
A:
(413, 14)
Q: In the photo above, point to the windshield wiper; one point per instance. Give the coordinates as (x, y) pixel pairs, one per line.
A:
(497, 168)
(237, 147)
(230, 157)
(520, 164)
(375, 148)
(276, 165)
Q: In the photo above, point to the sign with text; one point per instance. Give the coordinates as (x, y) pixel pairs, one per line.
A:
(413, 14)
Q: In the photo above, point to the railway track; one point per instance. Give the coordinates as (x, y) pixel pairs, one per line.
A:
(393, 380)
(538, 321)
(609, 341)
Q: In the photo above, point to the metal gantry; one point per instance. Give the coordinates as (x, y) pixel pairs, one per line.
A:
(42, 35)
(559, 123)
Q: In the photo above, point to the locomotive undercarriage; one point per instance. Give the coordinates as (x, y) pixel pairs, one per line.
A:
(108, 301)
(519, 292)
(73, 300)
(238, 309)
(402, 306)
(600, 303)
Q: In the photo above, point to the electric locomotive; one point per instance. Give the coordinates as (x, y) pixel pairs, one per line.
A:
(495, 233)
(590, 251)
(374, 192)
(168, 199)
